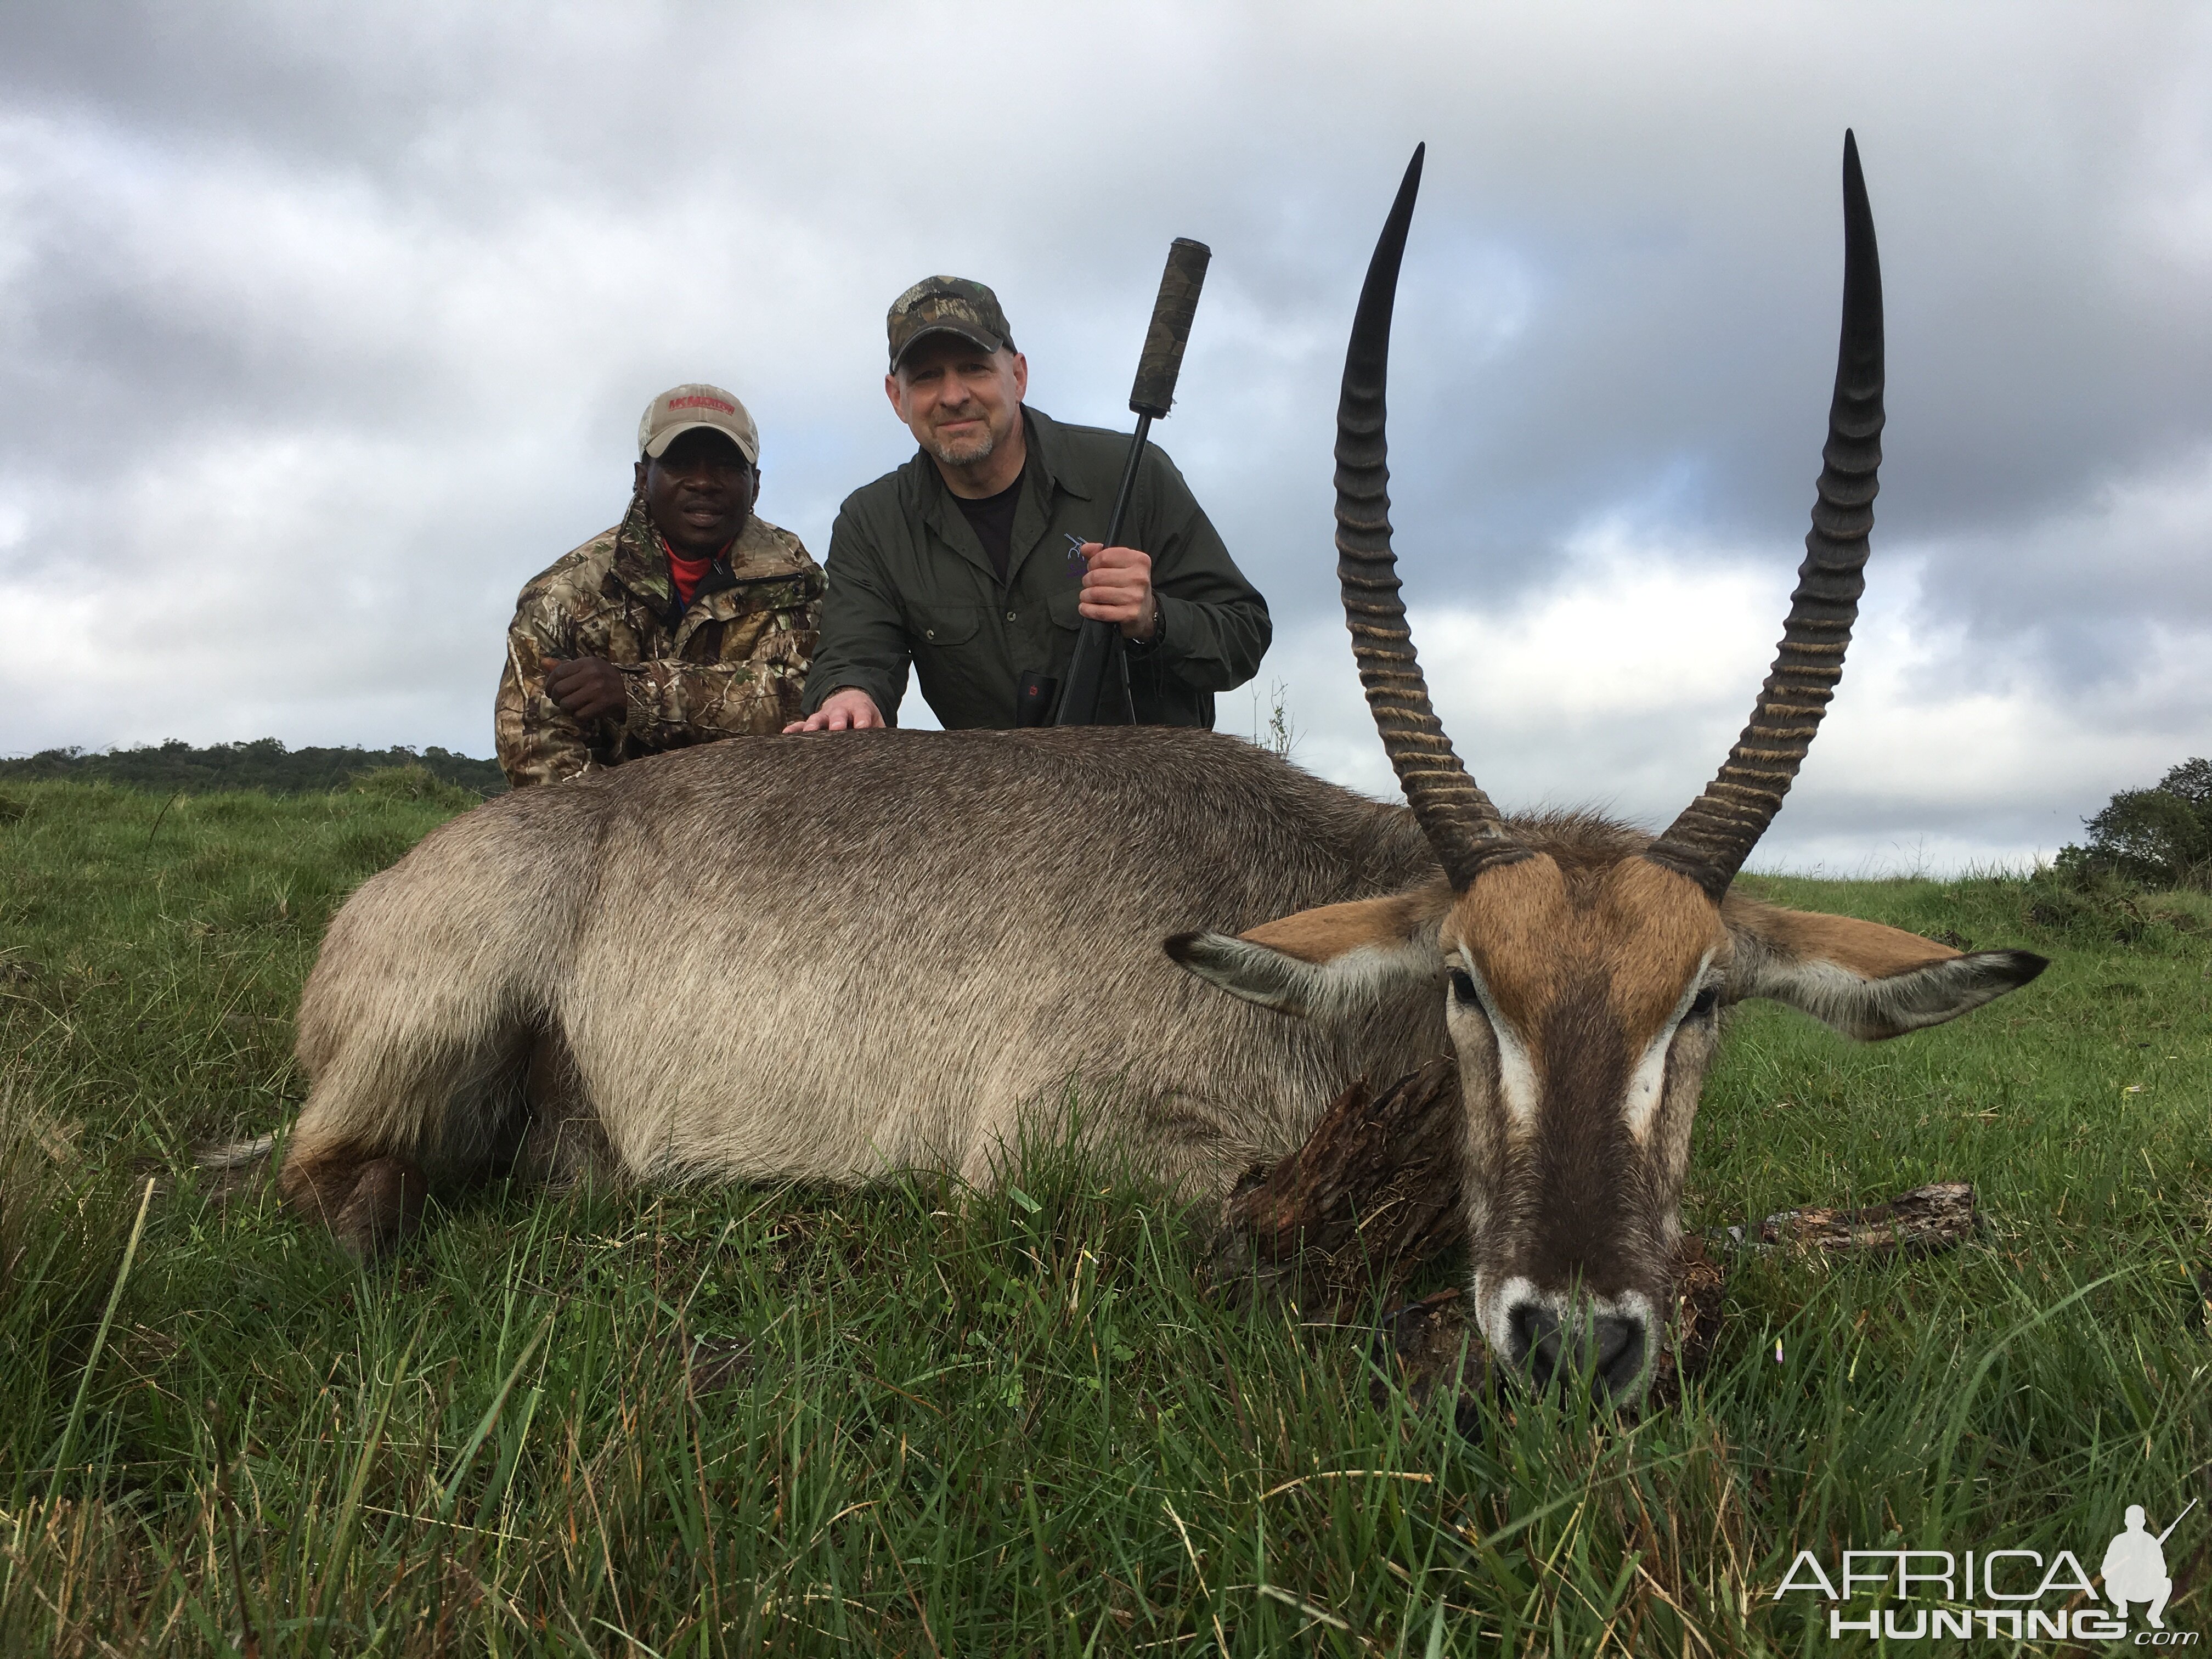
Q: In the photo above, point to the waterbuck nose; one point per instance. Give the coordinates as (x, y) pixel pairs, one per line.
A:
(1607, 1348)
(1535, 1331)
(1617, 1348)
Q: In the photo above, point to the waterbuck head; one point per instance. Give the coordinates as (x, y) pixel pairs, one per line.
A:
(1584, 967)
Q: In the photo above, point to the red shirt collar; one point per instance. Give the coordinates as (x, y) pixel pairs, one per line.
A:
(688, 573)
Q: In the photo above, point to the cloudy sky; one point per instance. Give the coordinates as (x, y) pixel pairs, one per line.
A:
(322, 329)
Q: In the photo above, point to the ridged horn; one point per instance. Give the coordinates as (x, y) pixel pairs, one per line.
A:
(1460, 821)
(1716, 832)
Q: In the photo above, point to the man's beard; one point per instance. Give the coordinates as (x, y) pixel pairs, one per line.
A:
(965, 452)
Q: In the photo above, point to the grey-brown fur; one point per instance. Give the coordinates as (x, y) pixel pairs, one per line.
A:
(827, 957)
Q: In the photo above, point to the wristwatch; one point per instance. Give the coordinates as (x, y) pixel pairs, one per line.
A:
(1143, 647)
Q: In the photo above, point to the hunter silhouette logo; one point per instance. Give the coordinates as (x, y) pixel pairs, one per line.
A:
(2135, 1566)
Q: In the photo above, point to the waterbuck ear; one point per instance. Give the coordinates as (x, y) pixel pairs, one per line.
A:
(1863, 979)
(1333, 956)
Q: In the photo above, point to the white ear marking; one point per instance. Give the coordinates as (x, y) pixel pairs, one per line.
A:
(1870, 1009)
(1275, 979)
(1254, 972)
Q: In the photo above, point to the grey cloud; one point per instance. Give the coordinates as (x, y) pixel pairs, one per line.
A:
(447, 256)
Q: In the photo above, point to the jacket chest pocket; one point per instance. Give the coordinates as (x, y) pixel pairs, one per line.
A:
(724, 640)
(945, 627)
(1060, 610)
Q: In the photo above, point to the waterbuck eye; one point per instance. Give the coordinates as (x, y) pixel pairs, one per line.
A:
(1462, 986)
(1707, 999)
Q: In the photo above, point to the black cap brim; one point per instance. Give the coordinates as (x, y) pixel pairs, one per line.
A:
(974, 337)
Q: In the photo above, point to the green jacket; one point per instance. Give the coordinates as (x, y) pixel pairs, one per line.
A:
(909, 582)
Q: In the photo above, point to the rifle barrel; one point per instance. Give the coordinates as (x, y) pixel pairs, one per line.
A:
(2185, 1508)
(1096, 691)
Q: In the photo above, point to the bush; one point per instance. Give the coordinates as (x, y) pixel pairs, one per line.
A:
(2156, 837)
(414, 783)
(175, 767)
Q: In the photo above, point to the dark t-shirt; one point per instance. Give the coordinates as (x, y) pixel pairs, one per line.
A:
(993, 520)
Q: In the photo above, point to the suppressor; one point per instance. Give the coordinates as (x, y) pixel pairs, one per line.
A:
(1095, 689)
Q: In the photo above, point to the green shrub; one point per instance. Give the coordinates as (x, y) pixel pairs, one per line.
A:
(2160, 837)
(414, 783)
(264, 764)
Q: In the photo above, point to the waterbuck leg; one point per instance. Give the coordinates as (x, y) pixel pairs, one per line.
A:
(387, 1205)
(1372, 1194)
(371, 1206)
(560, 1141)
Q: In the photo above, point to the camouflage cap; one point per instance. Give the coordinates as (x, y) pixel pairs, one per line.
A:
(681, 408)
(946, 305)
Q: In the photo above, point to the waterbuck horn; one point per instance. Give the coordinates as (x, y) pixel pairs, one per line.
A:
(1460, 821)
(1716, 832)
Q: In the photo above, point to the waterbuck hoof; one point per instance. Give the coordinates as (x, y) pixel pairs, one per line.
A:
(383, 1210)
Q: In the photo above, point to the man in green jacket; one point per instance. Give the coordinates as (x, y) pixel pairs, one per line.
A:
(974, 560)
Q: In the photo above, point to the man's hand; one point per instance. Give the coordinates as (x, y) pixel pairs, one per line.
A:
(1118, 588)
(585, 688)
(847, 709)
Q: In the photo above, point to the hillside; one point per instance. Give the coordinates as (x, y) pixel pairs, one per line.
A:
(264, 764)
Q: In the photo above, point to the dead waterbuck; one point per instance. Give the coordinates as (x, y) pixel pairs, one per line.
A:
(829, 956)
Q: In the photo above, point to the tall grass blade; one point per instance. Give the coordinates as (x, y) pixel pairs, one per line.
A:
(486, 1423)
(334, 1555)
(68, 1442)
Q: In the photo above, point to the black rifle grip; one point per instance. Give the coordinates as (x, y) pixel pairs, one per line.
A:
(1154, 391)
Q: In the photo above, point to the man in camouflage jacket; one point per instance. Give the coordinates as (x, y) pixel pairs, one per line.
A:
(689, 621)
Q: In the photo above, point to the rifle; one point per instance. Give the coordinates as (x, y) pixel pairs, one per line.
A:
(1096, 692)
(2163, 1536)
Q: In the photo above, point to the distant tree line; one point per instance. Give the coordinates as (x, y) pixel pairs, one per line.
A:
(264, 764)
(2158, 838)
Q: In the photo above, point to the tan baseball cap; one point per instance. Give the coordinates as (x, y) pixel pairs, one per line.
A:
(683, 407)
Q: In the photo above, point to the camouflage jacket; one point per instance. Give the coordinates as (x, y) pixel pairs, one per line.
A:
(732, 661)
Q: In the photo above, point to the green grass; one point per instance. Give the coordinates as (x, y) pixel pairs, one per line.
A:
(1007, 1423)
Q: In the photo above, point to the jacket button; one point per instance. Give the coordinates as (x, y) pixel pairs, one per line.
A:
(929, 633)
(1010, 615)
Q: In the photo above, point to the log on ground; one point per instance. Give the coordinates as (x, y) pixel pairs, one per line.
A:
(1921, 1222)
